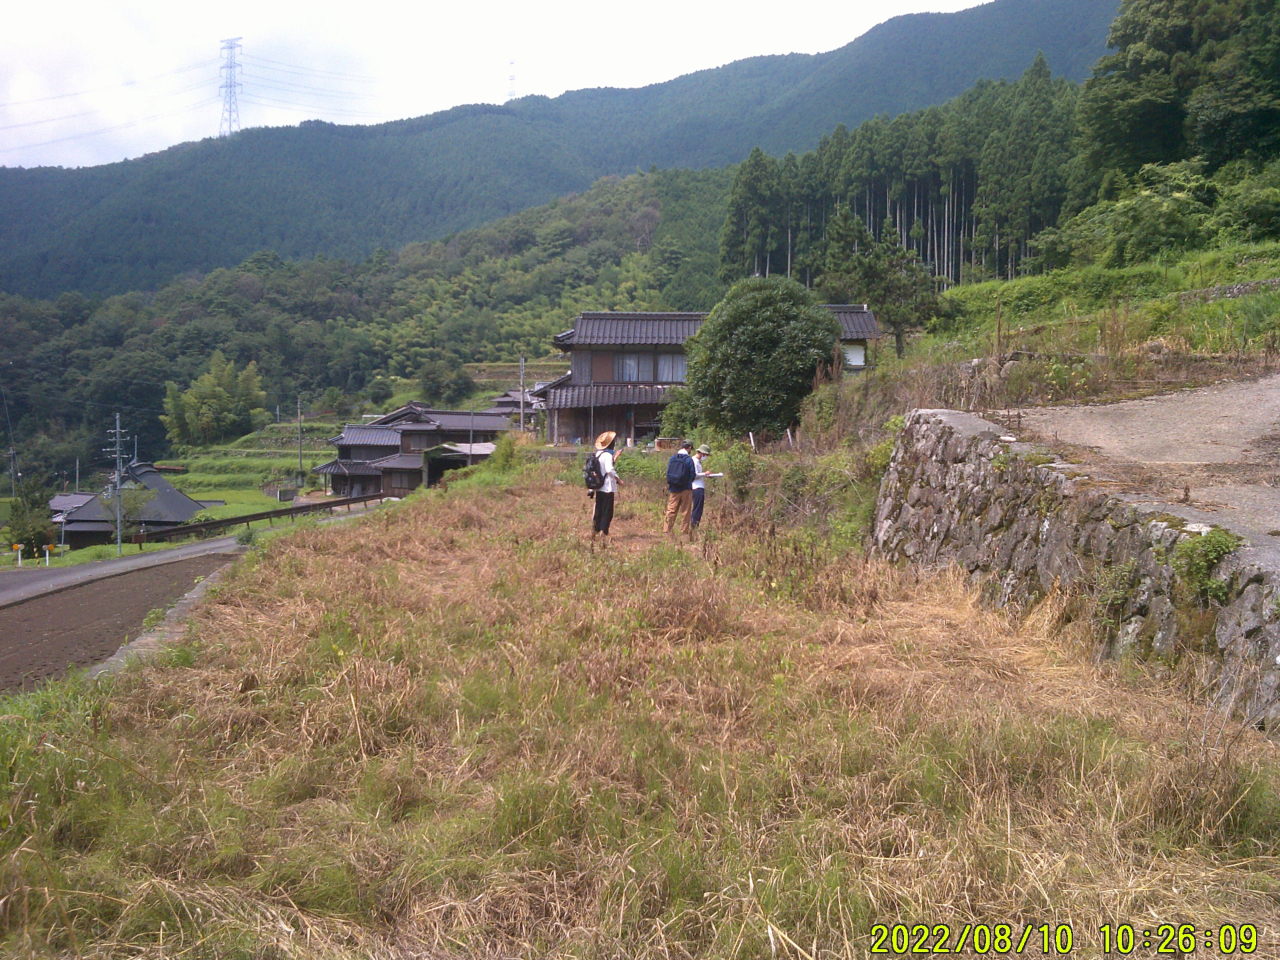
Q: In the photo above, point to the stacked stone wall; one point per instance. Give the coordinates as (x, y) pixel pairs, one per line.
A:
(959, 491)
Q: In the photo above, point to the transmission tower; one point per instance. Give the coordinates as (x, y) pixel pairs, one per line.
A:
(230, 71)
(511, 88)
(117, 439)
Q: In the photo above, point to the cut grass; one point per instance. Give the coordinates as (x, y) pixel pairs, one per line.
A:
(451, 730)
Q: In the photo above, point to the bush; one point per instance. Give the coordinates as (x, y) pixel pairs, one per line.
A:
(754, 360)
(1195, 559)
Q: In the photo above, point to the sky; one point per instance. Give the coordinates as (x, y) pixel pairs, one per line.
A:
(89, 83)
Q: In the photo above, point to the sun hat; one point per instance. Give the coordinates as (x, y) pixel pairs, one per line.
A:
(704, 450)
(605, 439)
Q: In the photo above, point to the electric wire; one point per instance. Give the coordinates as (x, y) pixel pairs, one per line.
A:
(127, 83)
(306, 108)
(122, 126)
(298, 68)
(286, 87)
(89, 113)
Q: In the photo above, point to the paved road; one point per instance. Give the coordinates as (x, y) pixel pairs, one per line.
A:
(1215, 450)
(19, 585)
(29, 582)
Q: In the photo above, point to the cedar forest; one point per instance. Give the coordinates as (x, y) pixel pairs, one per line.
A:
(1170, 146)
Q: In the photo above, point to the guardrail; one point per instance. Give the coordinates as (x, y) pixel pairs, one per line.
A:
(210, 526)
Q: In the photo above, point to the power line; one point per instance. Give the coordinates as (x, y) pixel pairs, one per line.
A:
(287, 87)
(127, 83)
(121, 126)
(309, 108)
(90, 113)
(298, 68)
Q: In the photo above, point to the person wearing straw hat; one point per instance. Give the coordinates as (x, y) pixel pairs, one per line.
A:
(699, 486)
(603, 515)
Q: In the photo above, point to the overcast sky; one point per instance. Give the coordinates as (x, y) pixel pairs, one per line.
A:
(85, 83)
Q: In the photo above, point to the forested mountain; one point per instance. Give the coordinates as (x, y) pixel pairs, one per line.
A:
(646, 242)
(345, 191)
(1165, 148)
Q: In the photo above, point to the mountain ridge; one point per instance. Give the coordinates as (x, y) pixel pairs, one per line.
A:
(334, 190)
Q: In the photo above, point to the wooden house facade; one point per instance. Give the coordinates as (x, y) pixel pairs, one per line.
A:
(396, 453)
(622, 366)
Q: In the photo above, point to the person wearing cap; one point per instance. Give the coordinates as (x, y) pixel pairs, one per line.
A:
(603, 515)
(680, 474)
(699, 486)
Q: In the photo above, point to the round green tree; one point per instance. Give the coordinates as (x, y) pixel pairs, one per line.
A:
(753, 361)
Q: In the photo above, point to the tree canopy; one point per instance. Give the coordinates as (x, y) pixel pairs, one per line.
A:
(754, 359)
(219, 405)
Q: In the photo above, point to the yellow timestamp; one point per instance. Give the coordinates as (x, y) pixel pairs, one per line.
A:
(1059, 939)
(1177, 940)
(900, 939)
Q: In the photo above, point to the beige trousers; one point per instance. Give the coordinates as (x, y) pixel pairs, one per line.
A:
(678, 503)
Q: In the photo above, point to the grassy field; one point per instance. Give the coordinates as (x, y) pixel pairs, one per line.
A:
(453, 730)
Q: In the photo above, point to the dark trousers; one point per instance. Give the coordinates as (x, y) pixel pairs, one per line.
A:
(699, 499)
(604, 513)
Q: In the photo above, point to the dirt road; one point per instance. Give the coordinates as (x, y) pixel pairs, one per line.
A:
(84, 625)
(1216, 449)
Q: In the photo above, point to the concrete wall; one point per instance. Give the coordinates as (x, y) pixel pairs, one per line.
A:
(959, 491)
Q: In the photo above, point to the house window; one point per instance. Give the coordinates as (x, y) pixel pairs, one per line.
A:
(855, 355)
(672, 367)
(633, 367)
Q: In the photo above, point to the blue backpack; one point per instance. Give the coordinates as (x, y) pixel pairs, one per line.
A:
(680, 473)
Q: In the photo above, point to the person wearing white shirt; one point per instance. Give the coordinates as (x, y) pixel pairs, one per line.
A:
(700, 485)
(603, 515)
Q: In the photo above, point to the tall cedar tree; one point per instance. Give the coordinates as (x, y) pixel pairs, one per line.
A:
(880, 273)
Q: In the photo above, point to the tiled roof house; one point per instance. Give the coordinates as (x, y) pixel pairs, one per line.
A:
(622, 367)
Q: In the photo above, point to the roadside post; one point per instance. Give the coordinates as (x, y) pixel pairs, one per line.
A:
(46, 554)
(18, 547)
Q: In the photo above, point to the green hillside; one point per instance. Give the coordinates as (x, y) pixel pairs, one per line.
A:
(345, 191)
(327, 330)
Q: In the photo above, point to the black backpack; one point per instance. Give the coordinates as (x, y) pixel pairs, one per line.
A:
(592, 474)
(680, 472)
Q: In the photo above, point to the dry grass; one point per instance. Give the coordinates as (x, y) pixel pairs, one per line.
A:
(453, 731)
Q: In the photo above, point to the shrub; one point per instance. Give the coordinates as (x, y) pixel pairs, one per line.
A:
(1195, 559)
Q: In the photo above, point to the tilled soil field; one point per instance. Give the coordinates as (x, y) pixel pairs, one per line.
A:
(44, 637)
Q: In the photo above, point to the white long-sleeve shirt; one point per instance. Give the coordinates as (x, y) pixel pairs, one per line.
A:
(610, 475)
(700, 474)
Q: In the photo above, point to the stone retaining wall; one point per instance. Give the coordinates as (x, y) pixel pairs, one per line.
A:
(958, 490)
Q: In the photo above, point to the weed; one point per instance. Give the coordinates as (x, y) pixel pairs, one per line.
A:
(1195, 558)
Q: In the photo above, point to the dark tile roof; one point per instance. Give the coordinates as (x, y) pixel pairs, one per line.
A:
(365, 435)
(399, 461)
(167, 505)
(411, 412)
(626, 328)
(856, 321)
(69, 501)
(349, 468)
(461, 420)
(606, 395)
(541, 391)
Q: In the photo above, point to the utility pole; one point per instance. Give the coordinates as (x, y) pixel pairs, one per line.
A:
(77, 474)
(13, 454)
(522, 394)
(299, 442)
(230, 86)
(116, 450)
(471, 439)
(511, 82)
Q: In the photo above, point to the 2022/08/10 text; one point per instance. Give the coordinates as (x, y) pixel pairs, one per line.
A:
(1059, 939)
